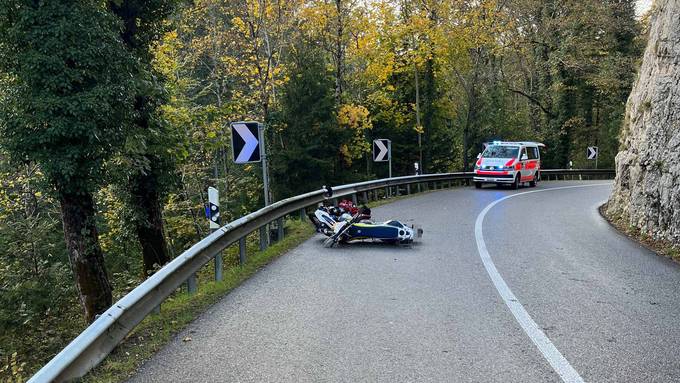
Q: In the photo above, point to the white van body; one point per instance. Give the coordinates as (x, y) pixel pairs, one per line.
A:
(505, 162)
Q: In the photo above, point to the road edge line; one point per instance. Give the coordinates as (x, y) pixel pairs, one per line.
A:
(558, 362)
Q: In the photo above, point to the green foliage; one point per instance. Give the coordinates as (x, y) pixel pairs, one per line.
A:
(579, 71)
(67, 89)
(12, 368)
(307, 141)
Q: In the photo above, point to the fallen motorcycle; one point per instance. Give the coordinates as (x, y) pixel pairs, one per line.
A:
(340, 226)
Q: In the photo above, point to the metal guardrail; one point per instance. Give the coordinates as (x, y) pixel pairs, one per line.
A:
(577, 174)
(90, 347)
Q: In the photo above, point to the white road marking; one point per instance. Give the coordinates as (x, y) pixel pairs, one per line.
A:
(558, 362)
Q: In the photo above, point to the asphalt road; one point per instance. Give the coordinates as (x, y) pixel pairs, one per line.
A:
(431, 313)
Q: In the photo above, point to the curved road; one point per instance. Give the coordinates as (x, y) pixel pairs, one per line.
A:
(584, 303)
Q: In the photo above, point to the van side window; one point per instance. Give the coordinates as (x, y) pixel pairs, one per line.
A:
(532, 153)
(524, 151)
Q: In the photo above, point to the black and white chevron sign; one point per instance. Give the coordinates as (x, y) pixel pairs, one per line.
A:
(381, 150)
(245, 141)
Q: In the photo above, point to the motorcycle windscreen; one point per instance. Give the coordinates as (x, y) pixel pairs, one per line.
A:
(364, 230)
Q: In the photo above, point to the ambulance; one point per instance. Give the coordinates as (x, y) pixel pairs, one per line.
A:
(512, 163)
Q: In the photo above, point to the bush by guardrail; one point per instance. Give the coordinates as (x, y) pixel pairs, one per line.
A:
(104, 334)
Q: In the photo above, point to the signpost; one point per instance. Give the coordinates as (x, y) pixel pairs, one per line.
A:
(247, 144)
(593, 153)
(382, 152)
(212, 213)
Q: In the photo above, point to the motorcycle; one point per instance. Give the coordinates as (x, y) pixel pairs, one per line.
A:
(342, 227)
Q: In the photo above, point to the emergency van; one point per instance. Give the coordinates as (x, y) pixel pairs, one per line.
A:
(512, 163)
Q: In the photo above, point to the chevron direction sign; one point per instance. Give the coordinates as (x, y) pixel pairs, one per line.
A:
(592, 152)
(245, 141)
(381, 150)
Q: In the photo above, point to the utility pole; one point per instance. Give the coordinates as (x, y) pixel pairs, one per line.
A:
(264, 230)
(420, 145)
(265, 174)
(389, 148)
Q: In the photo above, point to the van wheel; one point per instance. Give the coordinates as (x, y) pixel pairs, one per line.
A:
(515, 185)
(533, 182)
(478, 185)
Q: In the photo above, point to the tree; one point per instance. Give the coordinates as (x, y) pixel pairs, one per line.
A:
(309, 153)
(65, 106)
(148, 155)
(573, 63)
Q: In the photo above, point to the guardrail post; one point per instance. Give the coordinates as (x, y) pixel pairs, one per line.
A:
(365, 196)
(303, 214)
(218, 266)
(354, 199)
(263, 238)
(375, 194)
(218, 263)
(408, 189)
(279, 223)
(387, 192)
(192, 283)
(419, 187)
(242, 251)
(397, 192)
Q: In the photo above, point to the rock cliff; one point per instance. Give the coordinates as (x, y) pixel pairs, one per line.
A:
(647, 188)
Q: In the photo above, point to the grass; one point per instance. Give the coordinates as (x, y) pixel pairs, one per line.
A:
(661, 247)
(180, 309)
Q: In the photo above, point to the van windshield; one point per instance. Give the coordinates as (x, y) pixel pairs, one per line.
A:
(500, 151)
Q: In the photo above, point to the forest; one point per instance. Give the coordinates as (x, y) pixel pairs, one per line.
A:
(114, 120)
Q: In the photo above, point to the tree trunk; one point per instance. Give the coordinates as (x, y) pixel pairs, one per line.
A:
(85, 255)
(146, 198)
(647, 188)
(149, 225)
